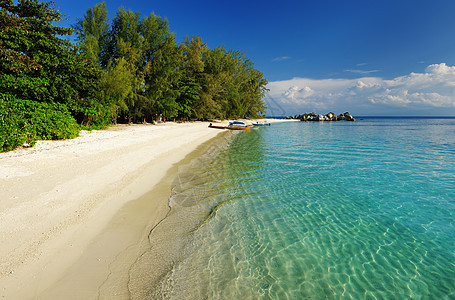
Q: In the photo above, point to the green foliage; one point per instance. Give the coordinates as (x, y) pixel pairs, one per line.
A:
(116, 87)
(51, 121)
(162, 77)
(230, 86)
(125, 38)
(193, 50)
(186, 80)
(188, 95)
(34, 62)
(37, 64)
(47, 72)
(131, 68)
(155, 31)
(93, 33)
(25, 121)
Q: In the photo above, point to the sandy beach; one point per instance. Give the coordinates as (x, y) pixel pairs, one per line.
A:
(74, 213)
(64, 218)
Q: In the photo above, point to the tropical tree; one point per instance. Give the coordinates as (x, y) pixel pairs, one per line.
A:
(163, 77)
(35, 62)
(230, 86)
(186, 80)
(92, 32)
(193, 50)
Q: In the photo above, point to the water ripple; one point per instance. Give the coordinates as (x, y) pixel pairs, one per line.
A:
(314, 211)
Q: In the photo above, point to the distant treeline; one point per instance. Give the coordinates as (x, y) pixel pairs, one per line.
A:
(129, 69)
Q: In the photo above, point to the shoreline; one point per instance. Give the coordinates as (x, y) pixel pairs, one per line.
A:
(59, 196)
(74, 212)
(127, 236)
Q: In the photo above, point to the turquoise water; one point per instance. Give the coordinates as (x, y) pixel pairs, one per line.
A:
(335, 210)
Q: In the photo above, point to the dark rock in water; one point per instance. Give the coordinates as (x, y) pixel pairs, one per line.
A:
(348, 117)
(331, 116)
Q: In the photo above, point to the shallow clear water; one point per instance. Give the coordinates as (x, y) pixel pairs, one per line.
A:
(362, 210)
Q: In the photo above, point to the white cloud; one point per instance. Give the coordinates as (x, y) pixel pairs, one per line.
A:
(281, 58)
(361, 71)
(440, 69)
(432, 92)
(296, 94)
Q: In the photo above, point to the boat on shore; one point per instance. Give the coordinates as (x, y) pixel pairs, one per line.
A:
(217, 126)
(238, 128)
(238, 125)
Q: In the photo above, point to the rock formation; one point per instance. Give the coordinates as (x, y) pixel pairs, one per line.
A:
(328, 117)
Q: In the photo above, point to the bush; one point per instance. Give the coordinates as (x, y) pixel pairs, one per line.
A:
(25, 121)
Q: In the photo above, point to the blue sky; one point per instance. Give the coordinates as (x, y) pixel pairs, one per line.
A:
(367, 57)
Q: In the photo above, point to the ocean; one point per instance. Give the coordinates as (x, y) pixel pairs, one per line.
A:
(316, 210)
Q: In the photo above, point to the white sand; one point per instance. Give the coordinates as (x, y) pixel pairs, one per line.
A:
(63, 221)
